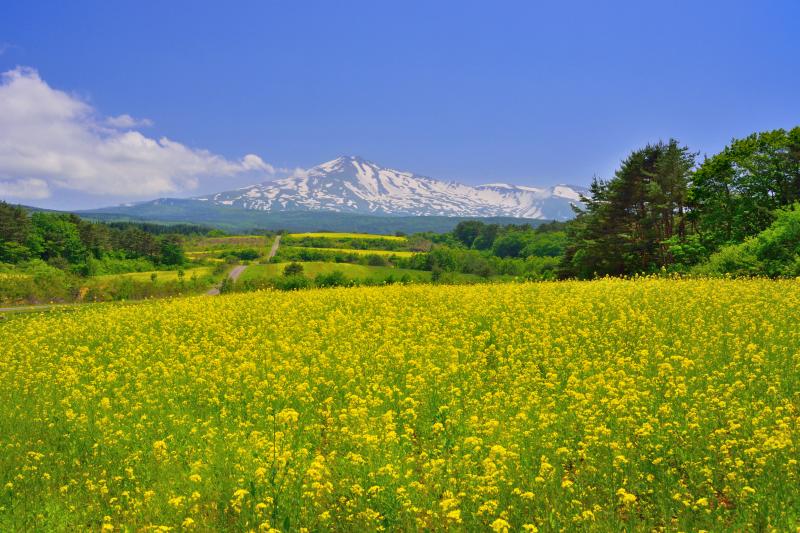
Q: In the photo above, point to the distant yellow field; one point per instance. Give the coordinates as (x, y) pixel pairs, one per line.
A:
(205, 256)
(348, 236)
(226, 243)
(398, 253)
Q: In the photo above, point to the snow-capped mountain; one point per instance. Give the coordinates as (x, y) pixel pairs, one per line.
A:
(352, 185)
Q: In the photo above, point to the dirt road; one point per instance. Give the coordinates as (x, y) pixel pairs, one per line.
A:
(274, 249)
(234, 274)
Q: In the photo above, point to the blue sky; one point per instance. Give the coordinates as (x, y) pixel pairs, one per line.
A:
(523, 92)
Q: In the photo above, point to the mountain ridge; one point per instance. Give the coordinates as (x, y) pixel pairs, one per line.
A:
(351, 184)
(235, 219)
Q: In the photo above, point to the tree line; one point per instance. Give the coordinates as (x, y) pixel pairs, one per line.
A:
(71, 243)
(475, 247)
(664, 210)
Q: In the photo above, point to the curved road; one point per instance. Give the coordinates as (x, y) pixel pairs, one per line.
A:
(234, 274)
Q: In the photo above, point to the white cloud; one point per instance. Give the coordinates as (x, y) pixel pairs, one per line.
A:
(51, 140)
(31, 188)
(126, 121)
(253, 162)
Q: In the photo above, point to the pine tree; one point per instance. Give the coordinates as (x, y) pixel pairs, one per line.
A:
(628, 220)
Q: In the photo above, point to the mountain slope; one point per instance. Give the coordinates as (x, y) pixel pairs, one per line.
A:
(236, 219)
(353, 185)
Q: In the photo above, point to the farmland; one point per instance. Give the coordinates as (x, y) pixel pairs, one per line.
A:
(164, 275)
(132, 262)
(332, 235)
(387, 253)
(314, 268)
(60, 258)
(336, 259)
(612, 404)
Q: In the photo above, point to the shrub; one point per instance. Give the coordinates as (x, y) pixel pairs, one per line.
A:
(540, 268)
(775, 252)
(293, 269)
(735, 259)
(246, 254)
(120, 265)
(291, 283)
(377, 260)
(226, 286)
(333, 279)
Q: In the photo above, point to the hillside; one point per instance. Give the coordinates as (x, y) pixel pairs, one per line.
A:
(233, 218)
(352, 194)
(350, 184)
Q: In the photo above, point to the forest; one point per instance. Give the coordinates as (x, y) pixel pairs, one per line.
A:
(732, 213)
(83, 247)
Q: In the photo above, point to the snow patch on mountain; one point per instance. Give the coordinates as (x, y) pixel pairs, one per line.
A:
(353, 185)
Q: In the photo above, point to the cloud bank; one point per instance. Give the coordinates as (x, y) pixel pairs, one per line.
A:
(51, 140)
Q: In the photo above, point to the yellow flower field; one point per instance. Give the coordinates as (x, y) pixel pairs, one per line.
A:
(610, 405)
(355, 251)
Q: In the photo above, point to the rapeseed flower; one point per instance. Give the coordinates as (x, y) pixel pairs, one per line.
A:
(646, 404)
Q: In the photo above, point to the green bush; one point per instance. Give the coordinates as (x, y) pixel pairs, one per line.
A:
(332, 279)
(686, 252)
(118, 265)
(227, 285)
(775, 252)
(540, 268)
(293, 269)
(36, 282)
(245, 254)
(377, 260)
(291, 283)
